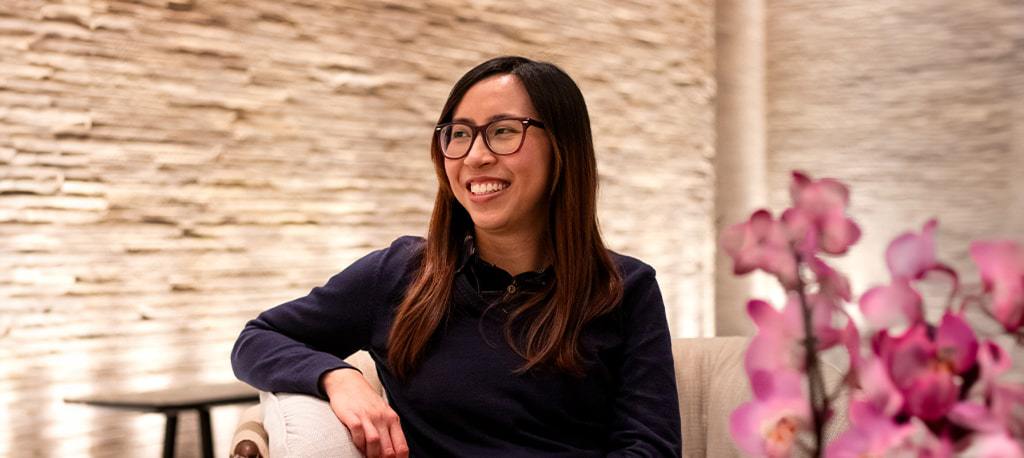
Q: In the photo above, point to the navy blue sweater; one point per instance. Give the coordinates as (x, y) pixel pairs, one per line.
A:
(464, 399)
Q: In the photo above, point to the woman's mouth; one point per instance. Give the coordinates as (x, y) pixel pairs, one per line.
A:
(482, 188)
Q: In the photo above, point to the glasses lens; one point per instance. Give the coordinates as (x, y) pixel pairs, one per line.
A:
(505, 136)
(455, 139)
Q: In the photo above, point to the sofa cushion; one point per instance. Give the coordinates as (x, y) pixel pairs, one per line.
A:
(304, 426)
(711, 384)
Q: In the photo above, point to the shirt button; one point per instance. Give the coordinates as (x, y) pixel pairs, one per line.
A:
(511, 288)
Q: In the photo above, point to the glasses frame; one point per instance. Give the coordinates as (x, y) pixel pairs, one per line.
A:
(475, 129)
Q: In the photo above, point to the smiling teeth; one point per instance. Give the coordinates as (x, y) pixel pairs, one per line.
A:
(486, 188)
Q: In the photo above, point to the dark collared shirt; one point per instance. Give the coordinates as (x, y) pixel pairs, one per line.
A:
(467, 397)
(497, 287)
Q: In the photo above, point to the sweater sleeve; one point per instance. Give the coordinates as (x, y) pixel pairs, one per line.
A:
(287, 348)
(646, 407)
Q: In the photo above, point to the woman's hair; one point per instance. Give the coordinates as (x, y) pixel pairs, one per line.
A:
(587, 283)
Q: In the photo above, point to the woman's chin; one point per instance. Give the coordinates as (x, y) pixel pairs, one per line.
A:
(489, 223)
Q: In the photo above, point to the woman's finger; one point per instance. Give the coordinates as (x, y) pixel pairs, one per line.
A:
(373, 448)
(355, 428)
(397, 436)
(387, 449)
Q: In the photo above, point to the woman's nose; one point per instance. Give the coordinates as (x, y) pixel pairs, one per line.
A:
(479, 154)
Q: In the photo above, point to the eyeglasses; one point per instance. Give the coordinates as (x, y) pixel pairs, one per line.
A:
(502, 136)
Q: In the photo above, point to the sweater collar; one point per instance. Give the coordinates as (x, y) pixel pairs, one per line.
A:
(487, 276)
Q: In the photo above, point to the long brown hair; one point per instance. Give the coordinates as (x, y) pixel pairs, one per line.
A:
(587, 283)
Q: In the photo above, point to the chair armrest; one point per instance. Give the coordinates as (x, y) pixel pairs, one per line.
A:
(304, 426)
(250, 439)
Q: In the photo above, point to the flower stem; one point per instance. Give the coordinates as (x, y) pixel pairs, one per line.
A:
(819, 401)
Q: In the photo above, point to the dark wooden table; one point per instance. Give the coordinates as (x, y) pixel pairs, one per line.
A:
(171, 401)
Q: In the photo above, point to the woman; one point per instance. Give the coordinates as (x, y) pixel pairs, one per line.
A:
(510, 330)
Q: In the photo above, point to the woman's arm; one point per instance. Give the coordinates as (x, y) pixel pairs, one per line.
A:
(289, 348)
(646, 407)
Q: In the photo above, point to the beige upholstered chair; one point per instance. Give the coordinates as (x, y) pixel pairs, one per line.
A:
(709, 377)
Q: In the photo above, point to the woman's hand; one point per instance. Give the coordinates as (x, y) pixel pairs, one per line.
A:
(375, 428)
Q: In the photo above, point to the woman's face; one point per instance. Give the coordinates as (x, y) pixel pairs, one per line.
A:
(504, 194)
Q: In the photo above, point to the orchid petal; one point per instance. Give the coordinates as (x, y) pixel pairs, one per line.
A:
(897, 304)
(1002, 271)
(932, 395)
(974, 416)
(956, 343)
(839, 232)
(911, 255)
(831, 281)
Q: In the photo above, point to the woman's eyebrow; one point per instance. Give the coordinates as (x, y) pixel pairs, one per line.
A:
(492, 118)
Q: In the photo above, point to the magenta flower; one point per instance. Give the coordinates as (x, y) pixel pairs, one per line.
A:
(992, 438)
(875, 436)
(878, 395)
(872, 435)
(1005, 400)
(918, 390)
(874, 432)
(909, 257)
(926, 369)
(768, 425)
(831, 282)
(993, 445)
(912, 255)
(779, 342)
(761, 243)
(895, 305)
(818, 217)
(1002, 272)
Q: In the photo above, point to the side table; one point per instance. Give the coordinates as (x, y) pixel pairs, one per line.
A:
(171, 401)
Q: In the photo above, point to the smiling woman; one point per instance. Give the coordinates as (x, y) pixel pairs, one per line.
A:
(506, 194)
(510, 330)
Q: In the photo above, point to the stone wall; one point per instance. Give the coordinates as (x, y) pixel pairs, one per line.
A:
(916, 105)
(169, 168)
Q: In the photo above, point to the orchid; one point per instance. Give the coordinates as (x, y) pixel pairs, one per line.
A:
(761, 243)
(925, 368)
(909, 257)
(917, 388)
(769, 425)
(1002, 272)
(779, 343)
(820, 210)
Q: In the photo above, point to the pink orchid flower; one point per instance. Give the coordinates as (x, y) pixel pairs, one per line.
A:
(926, 369)
(768, 425)
(1002, 272)
(896, 305)
(912, 255)
(1005, 400)
(761, 243)
(993, 445)
(818, 217)
(873, 435)
(992, 438)
(878, 394)
(778, 343)
(830, 281)
(909, 257)
(872, 431)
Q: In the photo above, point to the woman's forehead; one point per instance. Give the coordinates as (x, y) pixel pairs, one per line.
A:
(497, 96)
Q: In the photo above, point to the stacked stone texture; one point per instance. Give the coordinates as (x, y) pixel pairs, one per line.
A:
(169, 168)
(918, 106)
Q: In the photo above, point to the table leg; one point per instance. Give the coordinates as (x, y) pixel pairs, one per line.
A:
(170, 433)
(206, 432)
